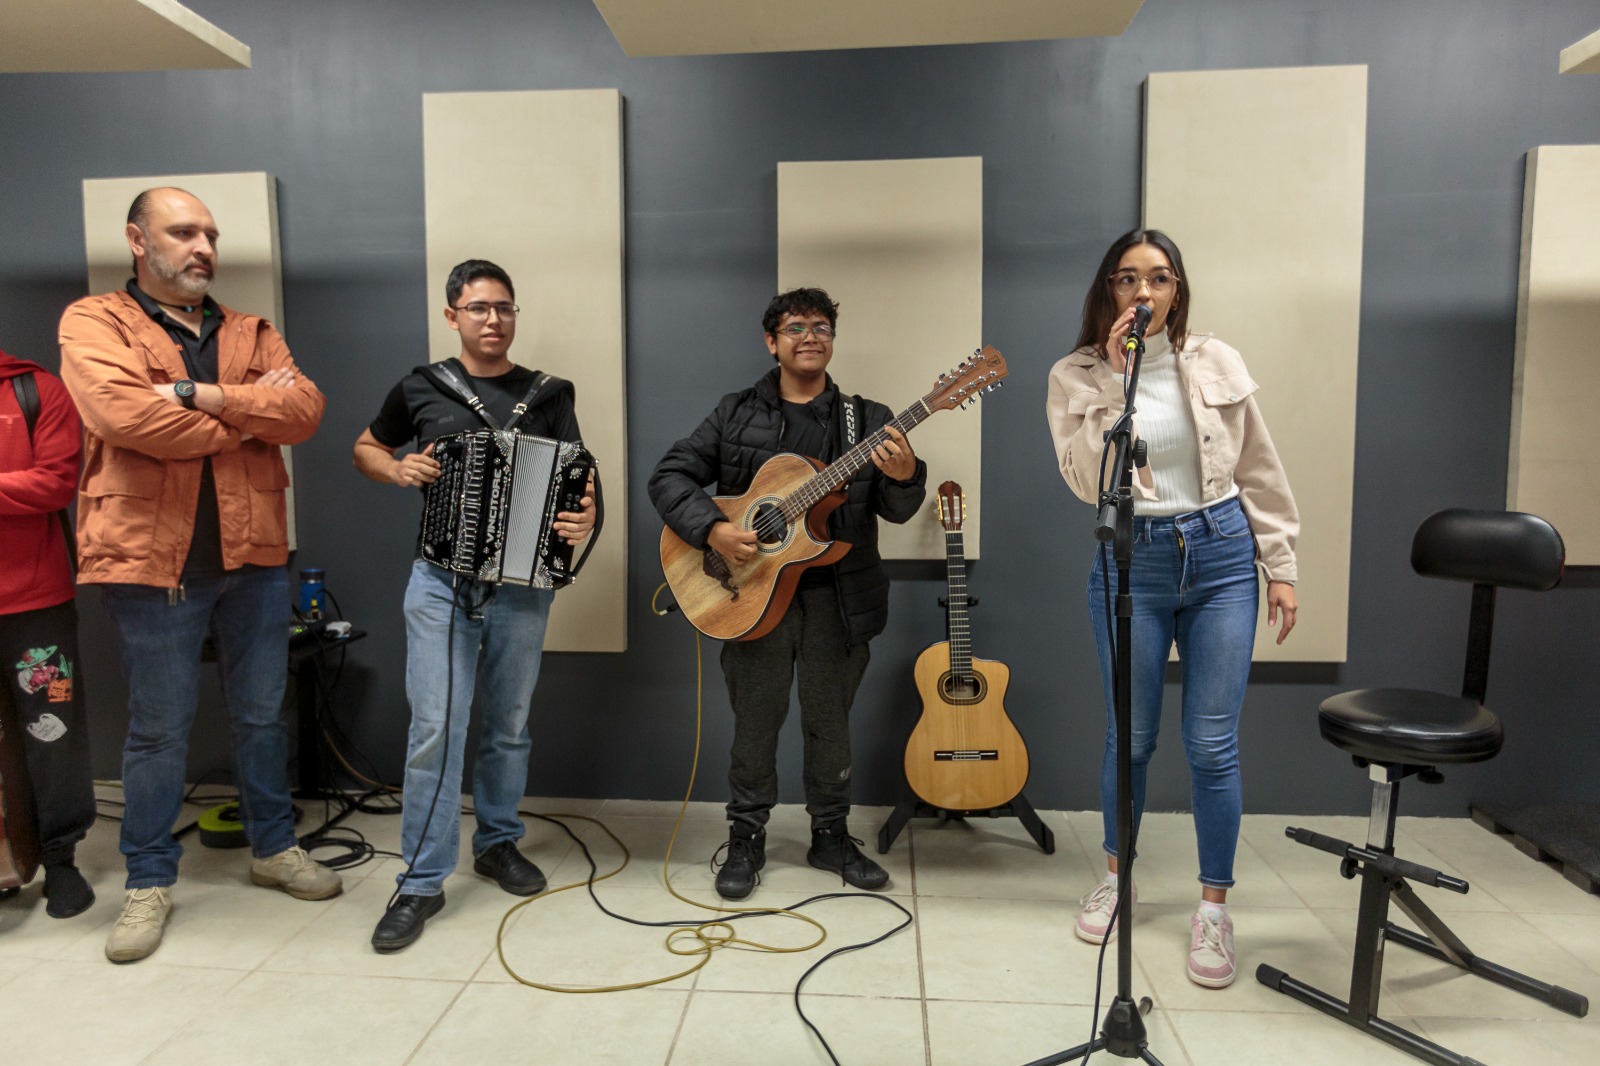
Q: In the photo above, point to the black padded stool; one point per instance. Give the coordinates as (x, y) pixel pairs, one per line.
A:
(1394, 733)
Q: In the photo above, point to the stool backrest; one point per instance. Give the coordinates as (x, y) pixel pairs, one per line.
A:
(1491, 549)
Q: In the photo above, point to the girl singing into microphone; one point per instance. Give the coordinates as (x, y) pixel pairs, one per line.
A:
(1211, 506)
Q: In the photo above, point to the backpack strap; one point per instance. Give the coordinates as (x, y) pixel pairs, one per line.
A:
(27, 391)
(450, 378)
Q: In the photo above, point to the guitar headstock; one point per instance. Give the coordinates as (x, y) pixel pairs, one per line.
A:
(952, 506)
(972, 377)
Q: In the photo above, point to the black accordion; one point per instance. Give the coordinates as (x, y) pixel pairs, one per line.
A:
(490, 516)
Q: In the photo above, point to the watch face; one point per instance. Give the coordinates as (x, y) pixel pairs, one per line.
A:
(183, 388)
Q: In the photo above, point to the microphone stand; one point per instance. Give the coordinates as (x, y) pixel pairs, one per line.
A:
(1123, 1033)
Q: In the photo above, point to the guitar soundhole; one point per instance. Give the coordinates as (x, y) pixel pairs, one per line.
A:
(962, 689)
(768, 524)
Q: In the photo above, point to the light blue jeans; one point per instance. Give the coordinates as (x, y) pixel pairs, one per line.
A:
(1193, 581)
(503, 642)
(247, 613)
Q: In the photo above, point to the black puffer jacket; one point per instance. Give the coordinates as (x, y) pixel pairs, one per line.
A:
(746, 430)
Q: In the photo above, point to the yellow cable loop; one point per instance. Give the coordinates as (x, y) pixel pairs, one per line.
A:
(708, 936)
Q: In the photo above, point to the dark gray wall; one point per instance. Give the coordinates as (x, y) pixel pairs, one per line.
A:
(1459, 92)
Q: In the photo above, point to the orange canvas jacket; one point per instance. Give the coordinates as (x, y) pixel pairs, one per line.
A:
(143, 454)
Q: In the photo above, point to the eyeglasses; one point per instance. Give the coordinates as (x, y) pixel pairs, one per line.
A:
(1127, 281)
(796, 330)
(479, 312)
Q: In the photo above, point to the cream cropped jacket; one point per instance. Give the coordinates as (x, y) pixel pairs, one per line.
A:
(1086, 397)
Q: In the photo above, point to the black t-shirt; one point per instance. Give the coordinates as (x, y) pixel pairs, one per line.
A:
(805, 432)
(415, 410)
(200, 360)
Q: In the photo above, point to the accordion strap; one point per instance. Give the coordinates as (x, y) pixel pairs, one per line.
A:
(599, 523)
(450, 378)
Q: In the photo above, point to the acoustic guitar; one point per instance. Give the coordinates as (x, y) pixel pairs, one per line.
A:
(965, 754)
(788, 504)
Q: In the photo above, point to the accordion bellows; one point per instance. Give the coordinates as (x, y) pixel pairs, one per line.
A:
(490, 515)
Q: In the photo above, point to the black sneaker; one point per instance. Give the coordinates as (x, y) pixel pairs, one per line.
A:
(510, 869)
(739, 872)
(69, 894)
(833, 848)
(402, 923)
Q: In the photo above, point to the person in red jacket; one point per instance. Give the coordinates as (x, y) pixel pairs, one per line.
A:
(39, 620)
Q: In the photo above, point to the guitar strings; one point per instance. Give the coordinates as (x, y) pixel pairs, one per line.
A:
(771, 524)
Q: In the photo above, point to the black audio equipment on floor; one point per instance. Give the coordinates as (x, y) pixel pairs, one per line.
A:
(1395, 733)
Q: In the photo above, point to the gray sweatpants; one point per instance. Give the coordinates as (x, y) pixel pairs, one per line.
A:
(811, 640)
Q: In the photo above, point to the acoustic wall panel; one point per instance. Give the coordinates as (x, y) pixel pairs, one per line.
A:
(76, 36)
(533, 181)
(1555, 448)
(899, 244)
(709, 27)
(1582, 57)
(1259, 176)
(249, 274)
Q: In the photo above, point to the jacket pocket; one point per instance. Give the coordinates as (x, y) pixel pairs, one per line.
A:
(268, 478)
(1229, 390)
(118, 506)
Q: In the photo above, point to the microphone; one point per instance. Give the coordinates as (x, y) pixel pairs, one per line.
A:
(1141, 322)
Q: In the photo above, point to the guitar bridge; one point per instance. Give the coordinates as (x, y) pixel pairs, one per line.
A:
(968, 755)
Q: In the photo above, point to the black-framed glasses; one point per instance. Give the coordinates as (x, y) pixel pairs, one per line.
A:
(796, 331)
(479, 311)
(1161, 282)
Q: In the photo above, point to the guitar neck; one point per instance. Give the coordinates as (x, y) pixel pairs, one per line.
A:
(960, 632)
(841, 470)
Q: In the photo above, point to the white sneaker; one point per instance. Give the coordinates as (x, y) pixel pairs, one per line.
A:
(1095, 917)
(137, 932)
(1212, 963)
(297, 874)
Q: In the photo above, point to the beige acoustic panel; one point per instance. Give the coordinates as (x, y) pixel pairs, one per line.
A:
(712, 27)
(1259, 176)
(1583, 57)
(249, 273)
(533, 182)
(1555, 444)
(898, 243)
(80, 36)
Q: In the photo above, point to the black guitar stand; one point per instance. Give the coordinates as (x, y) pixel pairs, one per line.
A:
(912, 806)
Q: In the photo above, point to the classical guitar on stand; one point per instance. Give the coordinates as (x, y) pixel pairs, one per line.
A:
(788, 504)
(965, 753)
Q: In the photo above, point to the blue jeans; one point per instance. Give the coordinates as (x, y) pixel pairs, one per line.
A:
(247, 614)
(504, 640)
(1193, 580)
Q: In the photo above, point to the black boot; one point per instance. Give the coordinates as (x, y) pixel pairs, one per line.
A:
(69, 894)
(510, 869)
(402, 923)
(833, 848)
(740, 871)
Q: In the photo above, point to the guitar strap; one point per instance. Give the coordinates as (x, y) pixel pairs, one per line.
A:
(27, 391)
(852, 411)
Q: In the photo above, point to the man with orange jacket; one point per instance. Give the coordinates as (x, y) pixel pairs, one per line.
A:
(181, 522)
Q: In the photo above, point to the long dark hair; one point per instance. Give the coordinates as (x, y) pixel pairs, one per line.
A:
(1100, 306)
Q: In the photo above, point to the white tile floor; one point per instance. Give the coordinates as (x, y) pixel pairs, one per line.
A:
(990, 972)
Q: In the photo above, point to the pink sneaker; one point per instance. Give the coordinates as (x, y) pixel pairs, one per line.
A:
(1211, 957)
(1095, 917)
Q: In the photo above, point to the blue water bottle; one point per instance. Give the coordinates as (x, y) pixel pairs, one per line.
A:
(311, 593)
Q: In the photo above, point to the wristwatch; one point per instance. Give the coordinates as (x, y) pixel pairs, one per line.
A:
(184, 391)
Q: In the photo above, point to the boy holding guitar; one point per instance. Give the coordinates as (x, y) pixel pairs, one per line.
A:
(836, 608)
